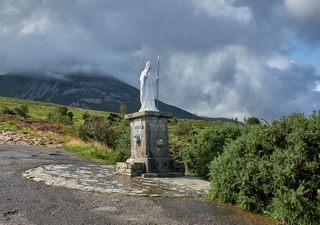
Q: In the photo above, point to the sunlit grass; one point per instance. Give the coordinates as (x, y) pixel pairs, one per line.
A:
(11, 126)
(90, 150)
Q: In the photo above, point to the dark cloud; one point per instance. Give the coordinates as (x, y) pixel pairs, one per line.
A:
(218, 58)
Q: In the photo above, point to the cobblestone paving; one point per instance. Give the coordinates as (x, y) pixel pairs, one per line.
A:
(102, 178)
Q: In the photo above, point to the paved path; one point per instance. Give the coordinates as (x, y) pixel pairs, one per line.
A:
(79, 198)
(102, 178)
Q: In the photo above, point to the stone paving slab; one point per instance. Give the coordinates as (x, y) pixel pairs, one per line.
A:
(103, 179)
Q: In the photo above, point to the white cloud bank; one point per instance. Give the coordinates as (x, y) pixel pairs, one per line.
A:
(218, 57)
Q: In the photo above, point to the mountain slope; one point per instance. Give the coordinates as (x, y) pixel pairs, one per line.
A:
(80, 90)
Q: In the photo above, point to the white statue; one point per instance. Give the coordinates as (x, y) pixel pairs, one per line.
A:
(148, 89)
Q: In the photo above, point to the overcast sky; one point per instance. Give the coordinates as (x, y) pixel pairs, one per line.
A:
(219, 58)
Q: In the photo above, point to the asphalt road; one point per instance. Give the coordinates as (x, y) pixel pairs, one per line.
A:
(27, 202)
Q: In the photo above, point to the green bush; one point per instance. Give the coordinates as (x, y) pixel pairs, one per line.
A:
(176, 148)
(293, 207)
(182, 127)
(99, 129)
(22, 110)
(111, 131)
(61, 114)
(61, 110)
(114, 117)
(208, 144)
(272, 169)
(123, 141)
(7, 110)
(253, 120)
(70, 115)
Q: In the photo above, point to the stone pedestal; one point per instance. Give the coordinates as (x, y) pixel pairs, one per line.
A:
(149, 146)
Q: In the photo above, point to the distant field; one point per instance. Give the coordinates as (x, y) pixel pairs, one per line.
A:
(41, 109)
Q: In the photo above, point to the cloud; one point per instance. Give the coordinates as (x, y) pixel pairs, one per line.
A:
(239, 83)
(218, 58)
(304, 10)
(305, 17)
(224, 9)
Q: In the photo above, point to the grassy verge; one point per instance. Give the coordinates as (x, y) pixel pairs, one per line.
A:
(90, 150)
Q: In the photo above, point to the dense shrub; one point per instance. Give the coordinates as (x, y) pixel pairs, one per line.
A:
(61, 110)
(22, 110)
(123, 145)
(99, 129)
(111, 131)
(61, 115)
(208, 144)
(114, 117)
(273, 169)
(7, 110)
(176, 148)
(182, 127)
(253, 120)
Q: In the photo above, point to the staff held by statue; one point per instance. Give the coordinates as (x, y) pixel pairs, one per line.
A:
(158, 82)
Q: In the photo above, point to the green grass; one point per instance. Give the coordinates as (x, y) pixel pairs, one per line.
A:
(87, 150)
(37, 126)
(13, 127)
(41, 109)
(93, 151)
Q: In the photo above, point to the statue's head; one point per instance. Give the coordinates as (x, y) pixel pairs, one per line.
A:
(148, 65)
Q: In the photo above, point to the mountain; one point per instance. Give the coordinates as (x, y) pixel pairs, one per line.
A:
(80, 90)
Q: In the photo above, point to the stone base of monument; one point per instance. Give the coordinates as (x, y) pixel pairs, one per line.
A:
(149, 147)
(139, 169)
(172, 174)
(128, 169)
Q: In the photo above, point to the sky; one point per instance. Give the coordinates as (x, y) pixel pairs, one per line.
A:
(218, 58)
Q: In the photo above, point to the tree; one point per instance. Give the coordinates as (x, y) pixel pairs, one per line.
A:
(253, 120)
(195, 116)
(123, 109)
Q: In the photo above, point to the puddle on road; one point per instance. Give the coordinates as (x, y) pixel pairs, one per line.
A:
(148, 187)
(240, 216)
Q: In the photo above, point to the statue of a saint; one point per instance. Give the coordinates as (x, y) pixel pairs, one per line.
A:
(148, 89)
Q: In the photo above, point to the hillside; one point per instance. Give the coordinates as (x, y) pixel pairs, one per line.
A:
(212, 119)
(79, 90)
